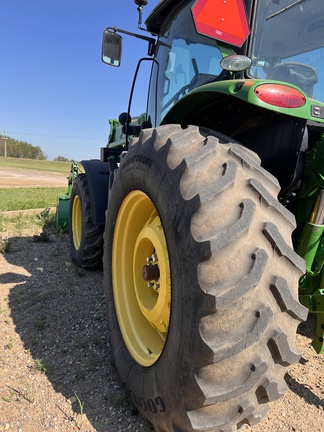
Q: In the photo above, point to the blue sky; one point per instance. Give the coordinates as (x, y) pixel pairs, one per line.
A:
(55, 92)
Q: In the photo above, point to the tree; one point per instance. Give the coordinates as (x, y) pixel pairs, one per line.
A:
(61, 159)
(21, 149)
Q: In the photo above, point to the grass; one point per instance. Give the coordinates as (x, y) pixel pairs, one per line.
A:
(40, 366)
(81, 406)
(20, 224)
(4, 245)
(29, 198)
(35, 165)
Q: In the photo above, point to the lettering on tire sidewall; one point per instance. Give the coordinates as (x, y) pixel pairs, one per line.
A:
(139, 158)
(154, 406)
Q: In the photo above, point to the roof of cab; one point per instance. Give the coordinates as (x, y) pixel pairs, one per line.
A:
(156, 18)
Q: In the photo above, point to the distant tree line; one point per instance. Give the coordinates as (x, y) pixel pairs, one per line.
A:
(62, 159)
(20, 149)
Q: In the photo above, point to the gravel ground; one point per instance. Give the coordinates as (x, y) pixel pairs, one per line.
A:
(56, 366)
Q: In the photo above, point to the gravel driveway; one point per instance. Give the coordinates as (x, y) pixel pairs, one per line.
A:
(56, 367)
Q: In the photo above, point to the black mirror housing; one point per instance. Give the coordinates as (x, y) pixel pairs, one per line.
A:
(111, 48)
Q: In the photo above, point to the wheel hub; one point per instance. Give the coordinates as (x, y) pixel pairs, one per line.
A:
(151, 272)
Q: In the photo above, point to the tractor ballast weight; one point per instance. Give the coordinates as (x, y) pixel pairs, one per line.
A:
(212, 205)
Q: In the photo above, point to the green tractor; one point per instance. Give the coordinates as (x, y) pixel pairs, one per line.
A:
(212, 208)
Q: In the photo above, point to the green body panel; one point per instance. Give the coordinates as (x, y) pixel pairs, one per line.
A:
(117, 138)
(310, 243)
(116, 135)
(315, 304)
(308, 246)
(62, 213)
(242, 89)
(63, 202)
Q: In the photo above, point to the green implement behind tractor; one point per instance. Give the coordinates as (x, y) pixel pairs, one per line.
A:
(207, 211)
(63, 202)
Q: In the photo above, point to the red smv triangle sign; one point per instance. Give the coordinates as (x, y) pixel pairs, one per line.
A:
(224, 20)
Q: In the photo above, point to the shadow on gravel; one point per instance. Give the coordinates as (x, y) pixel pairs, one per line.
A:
(59, 313)
(307, 329)
(303, 392)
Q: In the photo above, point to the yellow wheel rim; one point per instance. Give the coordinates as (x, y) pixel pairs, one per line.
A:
(76, 222)
(141, 278)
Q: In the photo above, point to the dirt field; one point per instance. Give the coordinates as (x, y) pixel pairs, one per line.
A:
(56, 365)
(28, 178)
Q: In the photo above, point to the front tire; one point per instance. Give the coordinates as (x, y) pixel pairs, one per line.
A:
(203, 343)
(86, 238)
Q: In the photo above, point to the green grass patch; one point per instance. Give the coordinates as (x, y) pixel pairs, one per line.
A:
(40, 225)
(36, 165)
(29, 198)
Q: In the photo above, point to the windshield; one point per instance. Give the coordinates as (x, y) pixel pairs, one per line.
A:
(288, 43)
(185, 60)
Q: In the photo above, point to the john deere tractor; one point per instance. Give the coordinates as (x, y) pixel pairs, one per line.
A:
(211, 203)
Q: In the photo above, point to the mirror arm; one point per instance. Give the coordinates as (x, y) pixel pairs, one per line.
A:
(151, 41)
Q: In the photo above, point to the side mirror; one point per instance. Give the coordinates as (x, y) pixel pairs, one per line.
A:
(111, 48)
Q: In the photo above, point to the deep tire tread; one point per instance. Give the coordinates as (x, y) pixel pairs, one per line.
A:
(90, 253)
(248, 311)
(263, 185)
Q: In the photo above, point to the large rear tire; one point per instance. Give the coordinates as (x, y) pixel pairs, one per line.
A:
(86, 238)
(200, 281)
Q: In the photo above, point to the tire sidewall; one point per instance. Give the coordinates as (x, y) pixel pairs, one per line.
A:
(146, 169)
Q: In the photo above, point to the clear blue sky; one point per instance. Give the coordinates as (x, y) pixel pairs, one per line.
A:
(55, 92)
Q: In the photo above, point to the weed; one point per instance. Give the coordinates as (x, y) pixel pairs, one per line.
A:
(81, 341)
(7, 321)
(80, 373)
(5, 245)
(33, 340)
(96, 340)
(42, 237)
(94, 360)
(40, 366)
(6, 398)
(81, 406)
(24, 392)
(120, 399)
(28, 393)
(17, 225)
(80, 271)
(18, 295)
(9, 345)
(39, 297)
(40, 322)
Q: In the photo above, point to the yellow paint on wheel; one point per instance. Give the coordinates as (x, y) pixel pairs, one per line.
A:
(76, 222)
(143, 306)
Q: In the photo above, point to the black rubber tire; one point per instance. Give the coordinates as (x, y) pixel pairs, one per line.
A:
(86, 246)
(234, 277)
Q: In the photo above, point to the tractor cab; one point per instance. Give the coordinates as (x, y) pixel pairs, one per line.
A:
(287, 44)
(201, 42)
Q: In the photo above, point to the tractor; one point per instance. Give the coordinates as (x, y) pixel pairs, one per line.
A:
(207, 210)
